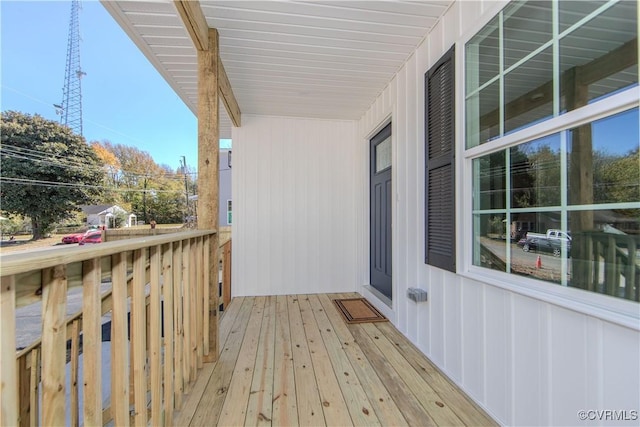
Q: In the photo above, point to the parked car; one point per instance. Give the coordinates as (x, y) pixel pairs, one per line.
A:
(72, 238)
(91, 237)
(542, 244)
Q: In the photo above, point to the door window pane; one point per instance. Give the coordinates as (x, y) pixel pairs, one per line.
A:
(383, 155)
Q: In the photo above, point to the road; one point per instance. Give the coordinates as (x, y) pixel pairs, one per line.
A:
(525, 262)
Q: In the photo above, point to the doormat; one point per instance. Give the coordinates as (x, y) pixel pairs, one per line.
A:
(358, 310)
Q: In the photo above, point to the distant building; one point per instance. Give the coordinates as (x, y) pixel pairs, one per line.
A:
(224, 206)
(225, 212)
(105, 215)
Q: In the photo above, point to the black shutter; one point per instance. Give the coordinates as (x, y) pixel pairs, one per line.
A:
(440, 166)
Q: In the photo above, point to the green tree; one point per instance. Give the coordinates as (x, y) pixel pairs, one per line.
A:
(47, 170)
(152, 191)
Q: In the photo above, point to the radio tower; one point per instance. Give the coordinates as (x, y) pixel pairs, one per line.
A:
(71, 107)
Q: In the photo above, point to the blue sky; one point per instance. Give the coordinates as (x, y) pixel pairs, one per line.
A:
(125, 100)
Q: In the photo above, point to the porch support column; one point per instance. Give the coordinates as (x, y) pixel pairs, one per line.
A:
(208, 186)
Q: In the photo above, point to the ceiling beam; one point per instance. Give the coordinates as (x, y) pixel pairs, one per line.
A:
(228, 98)
(196, 24)
(194, 21)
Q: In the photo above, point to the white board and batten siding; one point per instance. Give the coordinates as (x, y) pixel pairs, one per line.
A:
(527, 361)
(295, 217)
(301, 225)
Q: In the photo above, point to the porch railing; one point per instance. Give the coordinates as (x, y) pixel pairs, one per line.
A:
(225, 291)
(609, 263)
(159, 307)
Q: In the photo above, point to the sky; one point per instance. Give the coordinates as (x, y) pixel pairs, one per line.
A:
(124, 99)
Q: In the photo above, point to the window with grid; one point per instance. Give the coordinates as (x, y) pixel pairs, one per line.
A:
(552, 137)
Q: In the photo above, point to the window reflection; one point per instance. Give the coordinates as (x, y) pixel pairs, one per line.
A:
(490, 250)
(606, 254)
(535, 173)
(526, 27)
(600, 57)
(491, 176)
(483, 56)
(603, 161)
(585, 235)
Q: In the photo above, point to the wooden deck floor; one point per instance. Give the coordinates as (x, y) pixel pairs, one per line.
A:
(292, 360)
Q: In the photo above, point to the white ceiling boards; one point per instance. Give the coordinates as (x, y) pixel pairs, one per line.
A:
(321, 59)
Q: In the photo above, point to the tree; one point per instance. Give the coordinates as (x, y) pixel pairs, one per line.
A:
(47, 170)
(152, 191)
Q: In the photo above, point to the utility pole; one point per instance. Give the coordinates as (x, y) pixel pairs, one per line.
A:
(186, 184)
(144, 200)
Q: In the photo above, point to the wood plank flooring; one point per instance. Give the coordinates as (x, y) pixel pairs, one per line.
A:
(292, 360)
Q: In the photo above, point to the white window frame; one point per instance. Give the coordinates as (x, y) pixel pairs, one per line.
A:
(616, 310)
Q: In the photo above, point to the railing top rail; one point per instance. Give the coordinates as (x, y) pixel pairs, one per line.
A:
(23, 262)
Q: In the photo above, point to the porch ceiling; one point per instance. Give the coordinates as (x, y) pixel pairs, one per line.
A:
(321, 59)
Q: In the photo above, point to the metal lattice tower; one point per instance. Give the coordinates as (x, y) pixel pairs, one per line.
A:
(71, 107)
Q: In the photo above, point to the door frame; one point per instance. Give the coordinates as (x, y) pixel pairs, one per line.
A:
(369, 291)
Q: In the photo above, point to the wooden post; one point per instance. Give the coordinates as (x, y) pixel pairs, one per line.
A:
(208, 186)
(580, 180)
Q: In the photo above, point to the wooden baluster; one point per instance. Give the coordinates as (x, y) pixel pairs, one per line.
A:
(167, 294)
(226, 274)
(8, 376)
(610, 267)
(24, 390)
(75, 356)
(204, 270)
(199, 283)
(92, 342)
(155, 362)
(192, 280)
(186, 311)
(34, 388)
(119, 342)
(54, 344)
(178, 299)
(139, 337)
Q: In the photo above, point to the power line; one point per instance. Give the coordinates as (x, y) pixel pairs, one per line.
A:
(52, 184)
(51, 160)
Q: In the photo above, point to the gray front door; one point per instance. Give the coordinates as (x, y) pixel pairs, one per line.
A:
(380, 265)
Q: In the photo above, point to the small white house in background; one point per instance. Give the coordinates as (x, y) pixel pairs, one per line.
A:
(105, 215)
